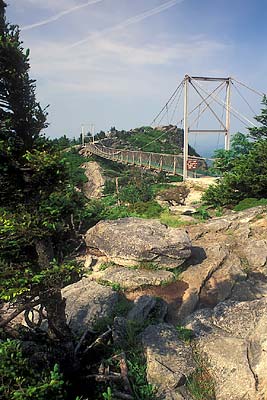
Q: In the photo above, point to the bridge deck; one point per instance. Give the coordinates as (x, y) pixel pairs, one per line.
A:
(171, 163)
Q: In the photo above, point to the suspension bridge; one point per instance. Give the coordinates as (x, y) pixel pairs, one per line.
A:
(210, 102)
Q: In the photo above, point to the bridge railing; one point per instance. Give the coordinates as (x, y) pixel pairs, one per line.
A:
(172, 163)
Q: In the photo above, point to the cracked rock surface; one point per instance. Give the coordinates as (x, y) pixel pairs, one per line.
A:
(87, 302)
(232, 339)
(133, 241)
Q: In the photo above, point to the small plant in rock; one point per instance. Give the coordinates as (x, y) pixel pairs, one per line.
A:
(149, 265)
(202, 213)
(108, 394)
(106, 265)
(185, 334)
(200, 384)
(245, 265)
(137, 373)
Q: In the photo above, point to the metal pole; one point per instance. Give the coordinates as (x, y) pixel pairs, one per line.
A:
(185, 173)
(82, 135)
(227, 122)
(93, 132)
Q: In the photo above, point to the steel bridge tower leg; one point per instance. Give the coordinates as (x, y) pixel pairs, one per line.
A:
(186, 131)
(227, 122)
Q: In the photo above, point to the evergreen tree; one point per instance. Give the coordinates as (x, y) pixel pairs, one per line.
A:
(260, 132)
(38, 202)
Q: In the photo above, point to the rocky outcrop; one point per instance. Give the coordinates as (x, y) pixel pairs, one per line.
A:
(169, 360)
(232, 339)
(87, 302)
(94, 186)
(129, 278)
(228, 260)
(133, 241)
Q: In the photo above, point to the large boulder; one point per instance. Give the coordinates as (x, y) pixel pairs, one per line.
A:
(232, 339)
(133, 241)
(228, 261)
(169, 360)
(87, 302)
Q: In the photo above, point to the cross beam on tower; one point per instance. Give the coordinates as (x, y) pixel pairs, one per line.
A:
(189, 82)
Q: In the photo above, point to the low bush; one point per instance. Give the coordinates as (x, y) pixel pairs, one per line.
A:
(149, 209)
(249, 203)
(19, 381)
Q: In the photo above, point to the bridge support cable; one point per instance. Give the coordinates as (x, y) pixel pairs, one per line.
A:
(201, 102)
(168, 102)
(249, 88)
(196, 120)
(243, 98)
(233, 111)
(209, 107)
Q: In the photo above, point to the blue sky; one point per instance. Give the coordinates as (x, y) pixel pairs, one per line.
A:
(116, 62)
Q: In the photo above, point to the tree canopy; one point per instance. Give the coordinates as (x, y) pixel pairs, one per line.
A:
(39, 203)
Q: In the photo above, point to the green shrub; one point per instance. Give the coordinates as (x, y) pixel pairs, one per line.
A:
(202, 213)
(20, 382)
(249, 203)
(150, 209)
(247, 179)
(136, 192)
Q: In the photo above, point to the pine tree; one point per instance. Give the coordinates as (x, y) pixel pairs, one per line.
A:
(38, 203)
(260, 132)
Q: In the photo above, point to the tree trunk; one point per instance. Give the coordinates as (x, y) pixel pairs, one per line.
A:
(52, 299)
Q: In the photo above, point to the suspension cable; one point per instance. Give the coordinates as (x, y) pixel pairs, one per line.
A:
(206, 106)
(249, 88)
(202, 101)
(232, 110)
(247, 103)
(164, 107)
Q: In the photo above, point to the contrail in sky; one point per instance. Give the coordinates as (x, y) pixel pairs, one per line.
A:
(130, 21)
(59, 15)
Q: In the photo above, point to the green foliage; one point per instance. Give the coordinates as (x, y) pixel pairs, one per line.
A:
(18, 281)
(185, 334)
(40, 204)
(173, 221)
(64, 142)
(249, 203)
(20, 382)
(224, 159)
(202, 213)
(259, 133)
(247, 179)
(200, 384)
(108, 394)
(136, 192)
(149, 209)
(137, 373)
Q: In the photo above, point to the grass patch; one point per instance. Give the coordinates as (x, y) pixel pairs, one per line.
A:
(114, 285)
(184, 334)
(149, 266)
(174, 221)
(249, 203)
(200, 384)
(106, 265)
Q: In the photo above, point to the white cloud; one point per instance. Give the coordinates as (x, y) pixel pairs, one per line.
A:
(109, 65)
(59, 15)
(129, 21)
